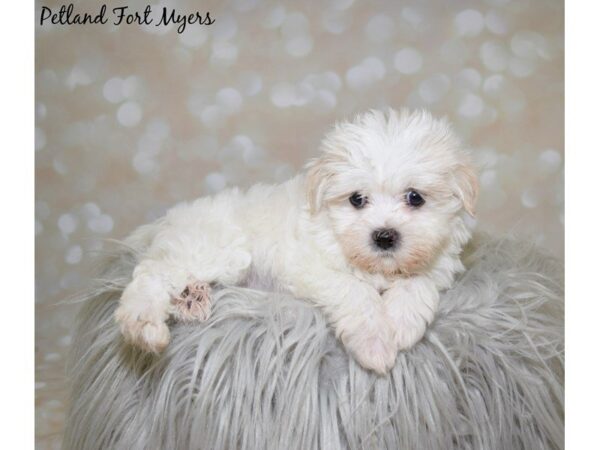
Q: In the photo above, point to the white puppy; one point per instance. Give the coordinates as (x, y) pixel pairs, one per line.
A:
(370, 233)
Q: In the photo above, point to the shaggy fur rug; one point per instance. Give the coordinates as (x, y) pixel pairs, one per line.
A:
(265, 372)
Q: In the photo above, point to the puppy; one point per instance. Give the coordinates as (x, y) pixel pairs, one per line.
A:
(370, 233)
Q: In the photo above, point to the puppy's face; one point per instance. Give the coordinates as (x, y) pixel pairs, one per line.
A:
(391, 186)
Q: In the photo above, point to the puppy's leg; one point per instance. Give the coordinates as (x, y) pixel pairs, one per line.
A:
(192, 246)
(411, 304)
(178, 285)
(144, 306)
(356, 311)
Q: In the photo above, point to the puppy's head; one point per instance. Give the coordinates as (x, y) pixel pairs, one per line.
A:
(392, 186)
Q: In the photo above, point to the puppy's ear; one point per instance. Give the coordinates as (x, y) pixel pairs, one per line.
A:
(467, 185)
(318, 175)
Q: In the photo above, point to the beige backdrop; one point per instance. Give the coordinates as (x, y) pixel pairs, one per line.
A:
(132, 119)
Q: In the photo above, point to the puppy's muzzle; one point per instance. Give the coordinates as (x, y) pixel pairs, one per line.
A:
(385, 238)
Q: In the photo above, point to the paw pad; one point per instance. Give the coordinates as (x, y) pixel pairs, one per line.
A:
(194, 303)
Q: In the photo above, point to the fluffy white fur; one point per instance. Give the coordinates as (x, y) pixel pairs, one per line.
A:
(306, 234)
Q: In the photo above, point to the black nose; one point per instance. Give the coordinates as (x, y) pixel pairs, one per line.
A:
(385, 238)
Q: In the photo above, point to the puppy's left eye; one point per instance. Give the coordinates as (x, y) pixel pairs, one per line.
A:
(357, 200)
(413, 198)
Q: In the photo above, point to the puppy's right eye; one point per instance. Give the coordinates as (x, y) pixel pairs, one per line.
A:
(357, 200)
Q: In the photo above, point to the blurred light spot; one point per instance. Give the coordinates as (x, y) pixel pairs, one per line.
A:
(369, 71)
(67, 223)
(494, 85)
(283, 172)
(196, 103)
(215, 182)
(325, 100)
(90, 210)
(65, 341)
(130, 86)
(129, 114)
(101, 224)
(496, 23)
(529, 199)
(471, 106)
(213, 116)
(113, 90)
(59, 166)
(494, 56)
(224, 54)
(254, 156)
(488, 179)
(78, 76)
(144, 163)
(250, 83)
(242, 142)
(327, 80)
(408, 61)
(521, 68)
(468, 22)
(52, 357)
(331, 80)
(41, 111)
(230, 100)
(275, 17)
(74, 254)
(299, 46)
(530, 45)
(486, 157)
(335, 22)
(549, 160)
(283, 95)
(40, 138)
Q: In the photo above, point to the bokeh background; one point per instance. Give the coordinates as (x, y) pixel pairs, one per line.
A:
(132, 119)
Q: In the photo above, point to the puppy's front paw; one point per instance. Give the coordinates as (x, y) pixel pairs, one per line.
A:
(143, 331)
(373, 347)
(411, 306)
(409, 333)
(194, 303)
(377, 354)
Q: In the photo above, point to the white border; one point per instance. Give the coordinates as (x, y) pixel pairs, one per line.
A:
(582, 151)
(582, 220)
(17, 203)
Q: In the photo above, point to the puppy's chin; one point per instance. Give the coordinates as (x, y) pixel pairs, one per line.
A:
(389, 265)
(406, 261)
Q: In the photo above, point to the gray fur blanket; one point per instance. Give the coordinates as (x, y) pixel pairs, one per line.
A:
(265, 372)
